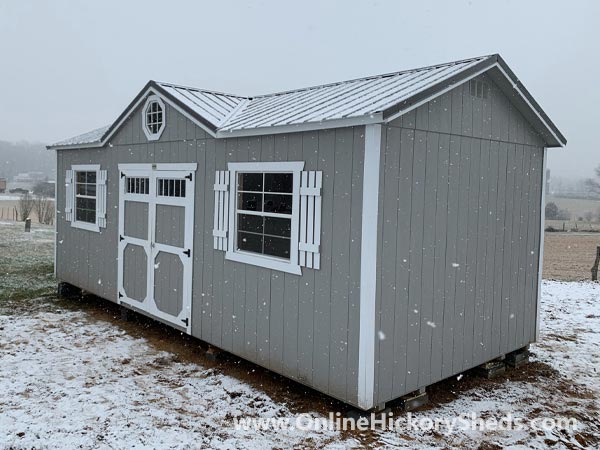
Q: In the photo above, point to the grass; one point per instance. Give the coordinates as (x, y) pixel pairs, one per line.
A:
(26, 265)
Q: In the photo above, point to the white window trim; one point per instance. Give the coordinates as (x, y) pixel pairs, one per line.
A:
(149, 100)
(292, 266)
(74, 222)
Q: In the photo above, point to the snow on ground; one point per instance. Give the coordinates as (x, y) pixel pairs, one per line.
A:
(71, 378)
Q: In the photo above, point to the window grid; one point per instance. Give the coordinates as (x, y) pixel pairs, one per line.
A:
(154, 117)
(137, 185)
(259, 230)
(85, 196)
(171, 187)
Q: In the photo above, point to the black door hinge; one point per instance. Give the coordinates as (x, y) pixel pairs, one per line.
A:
(188, 252)
(120, 295)
(121, 238)
(186, 321)
(189, 177)
(122, 174)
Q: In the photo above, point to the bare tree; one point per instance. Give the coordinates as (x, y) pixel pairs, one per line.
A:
(25, 206)
(44, 209)
(49, 213)
(593, 184)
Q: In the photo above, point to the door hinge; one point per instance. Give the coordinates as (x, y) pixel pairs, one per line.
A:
(122, 174)
(189, 177)
(186, 321)
(120, 295)
(188, 252)
(121, 238)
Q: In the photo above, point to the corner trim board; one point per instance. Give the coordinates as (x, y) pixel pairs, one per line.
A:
(368, 267)
(541, 249)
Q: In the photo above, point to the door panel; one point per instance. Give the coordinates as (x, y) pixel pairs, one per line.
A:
(135, 272)
(168, 283)
(136, 219)
(156, 241)
(170, 225)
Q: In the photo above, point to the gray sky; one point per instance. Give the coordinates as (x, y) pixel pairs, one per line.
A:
(67, 67)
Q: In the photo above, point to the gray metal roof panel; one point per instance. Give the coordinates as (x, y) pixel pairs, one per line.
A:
(357, 99)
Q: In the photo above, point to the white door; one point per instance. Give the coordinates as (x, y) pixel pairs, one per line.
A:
(156, 221)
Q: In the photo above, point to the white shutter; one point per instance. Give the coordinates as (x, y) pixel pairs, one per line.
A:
(101, 198)
(69, 196)
(310, 219)
(221, 219)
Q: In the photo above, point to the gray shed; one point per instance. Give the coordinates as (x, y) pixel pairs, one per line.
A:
(366, 238)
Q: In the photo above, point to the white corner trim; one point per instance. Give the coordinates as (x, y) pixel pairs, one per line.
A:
(154, 99)
(541, 249)
(368, 267)
(56, 209)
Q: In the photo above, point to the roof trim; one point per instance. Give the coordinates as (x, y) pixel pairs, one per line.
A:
(307, 126)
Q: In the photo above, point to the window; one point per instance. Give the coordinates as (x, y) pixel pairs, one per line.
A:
(153, 118)
(85, 202)
(168, 187)
(85, 196)
(137, 185)
(264, 213)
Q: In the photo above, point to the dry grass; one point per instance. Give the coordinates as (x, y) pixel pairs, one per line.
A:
(569, 256)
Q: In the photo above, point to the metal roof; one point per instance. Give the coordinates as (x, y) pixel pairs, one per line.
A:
(354, 98)
(373, 99)
(91, 137)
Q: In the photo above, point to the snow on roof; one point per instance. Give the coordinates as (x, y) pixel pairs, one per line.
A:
(91, 137)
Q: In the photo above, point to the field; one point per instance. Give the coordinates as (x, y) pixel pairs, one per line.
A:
(569, 256)
(73, 375)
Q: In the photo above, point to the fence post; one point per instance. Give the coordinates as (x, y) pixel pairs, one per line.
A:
(595, 266)
(27, 225)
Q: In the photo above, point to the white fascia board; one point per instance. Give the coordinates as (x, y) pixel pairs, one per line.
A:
(368, 267)
(541, 249)
(308, 126)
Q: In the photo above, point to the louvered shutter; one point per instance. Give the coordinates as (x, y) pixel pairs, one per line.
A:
(69, 196)
(101, 198)
(310, 219)
(221, 219)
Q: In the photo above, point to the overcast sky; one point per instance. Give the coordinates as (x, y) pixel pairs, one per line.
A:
(67, 67)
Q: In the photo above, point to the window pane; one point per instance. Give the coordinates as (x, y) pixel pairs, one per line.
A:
(278, 227)
(91, 177)
(279, 182)
(81, 189)
(81, 177)
(250, 242)
(279, 247)
(249, 201)
(85, 210)
(247, 222)
(250, 182)
(278, 203)
(91, 189)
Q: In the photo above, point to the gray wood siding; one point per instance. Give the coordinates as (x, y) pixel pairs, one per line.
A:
(305, 327)
(459, 238)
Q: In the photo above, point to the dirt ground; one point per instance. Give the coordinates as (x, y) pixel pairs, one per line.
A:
(569, 256)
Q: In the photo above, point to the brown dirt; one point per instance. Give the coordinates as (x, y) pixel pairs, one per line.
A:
(569, 256)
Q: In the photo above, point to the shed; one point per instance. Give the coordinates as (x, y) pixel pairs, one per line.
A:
(366, 238)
